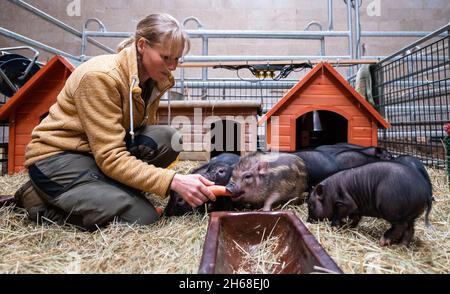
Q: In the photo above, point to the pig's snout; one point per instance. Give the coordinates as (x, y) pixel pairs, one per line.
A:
(231, 187)
(312, 218)
(234, 190)
(180, 201)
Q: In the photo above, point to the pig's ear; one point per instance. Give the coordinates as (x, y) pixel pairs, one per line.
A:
(378, 151)
(382, 153)
(262, 167)
(319, 192)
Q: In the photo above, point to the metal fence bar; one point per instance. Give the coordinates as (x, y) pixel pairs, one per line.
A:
(253, 34)
(267, 58)
(58, 23)
(443, 30)
(34, 43)
(236, 84)
(408, 34)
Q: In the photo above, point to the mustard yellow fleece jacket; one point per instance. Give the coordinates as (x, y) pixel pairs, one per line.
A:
(92, 115)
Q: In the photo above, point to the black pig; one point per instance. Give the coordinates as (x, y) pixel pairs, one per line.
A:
(229, 159)
(218, 170)
(322, 164)
(388, 190)
(353, 158)
(319, 166)
(416, 164)
(331, 149)
(266, 179)
(378, 152)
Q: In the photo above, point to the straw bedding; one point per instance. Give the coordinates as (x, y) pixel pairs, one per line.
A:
(174, 245)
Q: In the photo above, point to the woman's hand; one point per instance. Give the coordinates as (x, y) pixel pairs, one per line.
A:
(193, 189)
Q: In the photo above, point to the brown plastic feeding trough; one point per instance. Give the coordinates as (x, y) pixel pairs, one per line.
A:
(262, 242)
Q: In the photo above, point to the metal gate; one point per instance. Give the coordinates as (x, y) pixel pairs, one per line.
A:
(412, 90)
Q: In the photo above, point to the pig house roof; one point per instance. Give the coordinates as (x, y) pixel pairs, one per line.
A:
(36, 80)
(326, 68)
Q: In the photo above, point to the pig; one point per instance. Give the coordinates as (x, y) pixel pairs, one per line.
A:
(353, 158)
(415, 164)
(229, 159)
(177, 206)
(218, 170)
(387, 190)
(267, 179)
(378, 152)
(331, 149)
(319, 166)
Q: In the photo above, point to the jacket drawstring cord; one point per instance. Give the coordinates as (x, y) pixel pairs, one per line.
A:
(133, 82)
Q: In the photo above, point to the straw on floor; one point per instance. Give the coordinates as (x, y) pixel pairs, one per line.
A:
(174, 245)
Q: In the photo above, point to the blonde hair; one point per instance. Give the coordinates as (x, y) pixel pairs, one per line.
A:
(162, 29)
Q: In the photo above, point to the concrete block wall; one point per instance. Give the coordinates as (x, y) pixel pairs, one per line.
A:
(288, 15)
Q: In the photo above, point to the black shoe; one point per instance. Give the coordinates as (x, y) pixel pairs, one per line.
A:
(27, 197)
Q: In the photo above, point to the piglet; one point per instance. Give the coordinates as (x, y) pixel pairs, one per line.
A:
(267, 179)
(353, 158)
(388, 190)
(417, 165)
(218, 170)
(378, 152)
(319, 165)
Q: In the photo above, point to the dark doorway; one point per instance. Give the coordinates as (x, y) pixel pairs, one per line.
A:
(320, 127)
(225, 137)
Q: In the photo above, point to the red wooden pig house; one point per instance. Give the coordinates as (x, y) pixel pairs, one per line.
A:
(323, 108)
(30, 105)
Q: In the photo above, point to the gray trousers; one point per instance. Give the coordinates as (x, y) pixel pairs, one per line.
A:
(76, 191)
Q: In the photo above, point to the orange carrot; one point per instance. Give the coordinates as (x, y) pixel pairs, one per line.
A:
(219, 190)
(159, 210)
